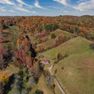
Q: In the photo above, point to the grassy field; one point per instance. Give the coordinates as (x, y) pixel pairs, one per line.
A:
(75, 72)
(76, 45)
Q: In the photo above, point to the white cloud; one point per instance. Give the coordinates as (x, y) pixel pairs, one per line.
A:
(20, 6)
(6, 2)
(21, 3)
(11, 2)
(2, 10)
(22, 9)
(37, 4)
(64, 2)
(85, 5)
(14, 7)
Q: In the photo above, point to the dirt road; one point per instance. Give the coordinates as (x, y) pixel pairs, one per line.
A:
(57, 83)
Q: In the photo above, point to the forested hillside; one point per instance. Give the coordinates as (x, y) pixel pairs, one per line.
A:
(82, 25)
(47, 55)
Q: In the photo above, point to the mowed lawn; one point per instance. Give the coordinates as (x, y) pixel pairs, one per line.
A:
(75, 72)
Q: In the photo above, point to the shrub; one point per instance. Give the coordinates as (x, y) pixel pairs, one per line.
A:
(51, 27)
(92, 46)
(53, 36)
(59, 56)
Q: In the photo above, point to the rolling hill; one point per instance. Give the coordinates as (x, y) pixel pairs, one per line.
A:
(75, 71)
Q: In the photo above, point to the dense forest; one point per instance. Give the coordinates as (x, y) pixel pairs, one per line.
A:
(82, 25)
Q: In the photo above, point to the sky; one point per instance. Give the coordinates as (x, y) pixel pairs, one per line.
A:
(46, 7)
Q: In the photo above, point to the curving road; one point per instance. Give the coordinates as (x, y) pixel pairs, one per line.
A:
(59, 85)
